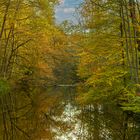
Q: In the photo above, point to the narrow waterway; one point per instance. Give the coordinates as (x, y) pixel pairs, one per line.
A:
(67, 120)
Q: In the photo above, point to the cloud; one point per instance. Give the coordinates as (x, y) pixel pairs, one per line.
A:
(61, 2)
(69, 10)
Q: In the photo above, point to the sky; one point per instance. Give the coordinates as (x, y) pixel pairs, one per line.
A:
(66, 10)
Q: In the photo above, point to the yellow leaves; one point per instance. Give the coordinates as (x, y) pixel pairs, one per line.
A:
(138, 27)
(137, 45)
(86, 57)
(30, 23)
(45, 70)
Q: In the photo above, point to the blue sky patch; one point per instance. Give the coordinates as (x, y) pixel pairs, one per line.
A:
(66, 10)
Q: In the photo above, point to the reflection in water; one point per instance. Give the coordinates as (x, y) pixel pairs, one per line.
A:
(91, 122)
(69, 117)
(54, 114)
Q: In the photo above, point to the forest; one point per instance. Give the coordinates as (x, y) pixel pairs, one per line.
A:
(71, 80)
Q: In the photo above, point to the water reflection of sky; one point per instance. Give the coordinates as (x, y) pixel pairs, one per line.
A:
(66, 120)
(69, 116)
(66, 10)
(76, 128)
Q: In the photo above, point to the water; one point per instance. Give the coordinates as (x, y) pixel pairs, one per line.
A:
(55, 114)
(70, 121)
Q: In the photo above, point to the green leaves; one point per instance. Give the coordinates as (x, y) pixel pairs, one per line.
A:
(107, 54)
(4, 87)
(134, 105)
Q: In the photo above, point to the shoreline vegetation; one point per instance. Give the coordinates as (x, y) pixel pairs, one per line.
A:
(99, 55)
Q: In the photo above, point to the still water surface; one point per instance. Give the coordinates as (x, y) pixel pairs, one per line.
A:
(67, 120)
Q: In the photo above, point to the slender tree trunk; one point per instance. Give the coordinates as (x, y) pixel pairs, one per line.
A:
(127, 48)
(4, 20)
(134, 24)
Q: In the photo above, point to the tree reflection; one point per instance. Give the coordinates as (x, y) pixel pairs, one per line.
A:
(54, 113)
